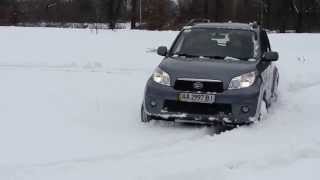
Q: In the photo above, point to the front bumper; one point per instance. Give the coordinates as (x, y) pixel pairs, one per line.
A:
(157, 96)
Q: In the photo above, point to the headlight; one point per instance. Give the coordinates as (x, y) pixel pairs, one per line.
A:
(161, 77)
(243, 81)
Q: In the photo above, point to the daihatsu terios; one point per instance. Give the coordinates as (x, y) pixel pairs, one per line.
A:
(213, 73)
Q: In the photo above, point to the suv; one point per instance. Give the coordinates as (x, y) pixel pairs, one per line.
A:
(213, 73)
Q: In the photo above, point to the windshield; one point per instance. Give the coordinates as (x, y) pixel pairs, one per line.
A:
(215, 43)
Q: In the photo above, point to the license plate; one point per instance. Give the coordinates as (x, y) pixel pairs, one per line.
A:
(197, 98)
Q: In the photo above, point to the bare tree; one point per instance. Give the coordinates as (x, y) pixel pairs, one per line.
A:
(302, 8)
(156, 13)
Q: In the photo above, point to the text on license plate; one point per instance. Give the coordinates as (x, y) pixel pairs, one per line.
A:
(198, 98)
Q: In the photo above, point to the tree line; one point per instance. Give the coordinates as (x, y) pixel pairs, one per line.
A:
(282, 15)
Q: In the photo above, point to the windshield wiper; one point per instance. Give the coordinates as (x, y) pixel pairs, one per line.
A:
(227, 58)
(186, 55)
(214, 57)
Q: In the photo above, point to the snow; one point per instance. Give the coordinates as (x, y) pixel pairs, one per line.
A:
(70, 102)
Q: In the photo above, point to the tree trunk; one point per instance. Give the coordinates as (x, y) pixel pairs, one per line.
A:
(218, 7)
(206, 9)
(111, 14)
(268, 14)
(235, 6)
(299, 22)
(283, 26)
(133, 13)
(300, 17)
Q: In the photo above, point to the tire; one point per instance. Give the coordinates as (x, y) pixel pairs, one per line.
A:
(275, 86)
(263, 110)
(275, 90)
(145, 118)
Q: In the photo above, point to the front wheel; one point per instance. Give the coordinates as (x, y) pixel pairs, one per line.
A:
(145, 118)
(263, 110)
(275, 90)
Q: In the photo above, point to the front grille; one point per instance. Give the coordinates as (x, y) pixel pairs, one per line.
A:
(196, 108)
(207, 86)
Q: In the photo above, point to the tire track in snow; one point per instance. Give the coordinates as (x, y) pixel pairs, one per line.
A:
(135, 153)
(255, 164)
(300, 86)
(272, 160)
(74, 68)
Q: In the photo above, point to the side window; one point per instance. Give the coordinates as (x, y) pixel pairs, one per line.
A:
(265, 43)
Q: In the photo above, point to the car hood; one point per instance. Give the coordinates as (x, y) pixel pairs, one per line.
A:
(213, 69)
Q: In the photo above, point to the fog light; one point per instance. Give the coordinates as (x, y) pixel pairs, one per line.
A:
(153, 104)
(245, 109)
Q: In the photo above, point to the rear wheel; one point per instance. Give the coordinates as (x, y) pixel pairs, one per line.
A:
(145, 118)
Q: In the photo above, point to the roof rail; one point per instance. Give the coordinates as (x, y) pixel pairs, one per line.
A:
(192, 22)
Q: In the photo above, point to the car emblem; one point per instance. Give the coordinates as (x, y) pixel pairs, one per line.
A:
(198, 85)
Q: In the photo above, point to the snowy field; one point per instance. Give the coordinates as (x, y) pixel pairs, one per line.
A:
(70, 102)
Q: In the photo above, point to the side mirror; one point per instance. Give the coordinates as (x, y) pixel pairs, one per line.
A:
(270, 56)
(162, 51)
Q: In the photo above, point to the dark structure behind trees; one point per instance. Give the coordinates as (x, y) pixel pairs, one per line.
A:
(282, 15)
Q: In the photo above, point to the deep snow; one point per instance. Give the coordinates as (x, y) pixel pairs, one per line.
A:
(70, 101)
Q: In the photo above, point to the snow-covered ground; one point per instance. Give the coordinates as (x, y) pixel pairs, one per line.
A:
(70, 101)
